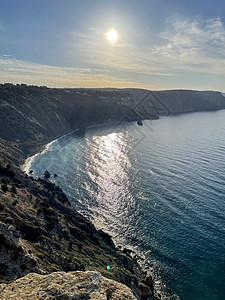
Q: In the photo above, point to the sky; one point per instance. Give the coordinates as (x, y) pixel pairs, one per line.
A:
(162, 44)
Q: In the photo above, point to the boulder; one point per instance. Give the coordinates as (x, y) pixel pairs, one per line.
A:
(148, 281)
(145, 291)
(47, 174)
(139, 122)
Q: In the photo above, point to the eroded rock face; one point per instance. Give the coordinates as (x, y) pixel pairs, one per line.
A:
(87, 285)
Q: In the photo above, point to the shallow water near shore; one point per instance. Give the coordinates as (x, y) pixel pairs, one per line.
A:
(158, 189)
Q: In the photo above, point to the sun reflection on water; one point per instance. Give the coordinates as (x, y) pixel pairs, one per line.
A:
(108, 167)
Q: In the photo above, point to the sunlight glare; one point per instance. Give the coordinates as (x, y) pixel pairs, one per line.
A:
(112, 35)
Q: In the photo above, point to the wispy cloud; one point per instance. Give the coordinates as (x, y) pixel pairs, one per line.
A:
(193, 45)
(122, 56)
(185, 44)
(18, 71)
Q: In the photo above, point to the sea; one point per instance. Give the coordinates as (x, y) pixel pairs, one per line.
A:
(157, 189)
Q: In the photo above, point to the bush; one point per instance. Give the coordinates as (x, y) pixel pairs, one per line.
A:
(4, 188)
(3, 270)
(23, 267)
(9, 220)
(30, 232)
(13, 190)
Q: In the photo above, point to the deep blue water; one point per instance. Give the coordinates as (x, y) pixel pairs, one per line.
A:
(159, 189)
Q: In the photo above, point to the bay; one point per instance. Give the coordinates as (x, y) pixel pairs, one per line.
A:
(158, 189)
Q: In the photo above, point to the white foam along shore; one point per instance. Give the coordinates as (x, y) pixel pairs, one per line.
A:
(27, 164)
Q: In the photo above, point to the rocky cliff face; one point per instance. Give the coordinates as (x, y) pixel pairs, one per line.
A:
(176, 101)
(36, 114)
(30, 114)
(182, 101)
(60, 285)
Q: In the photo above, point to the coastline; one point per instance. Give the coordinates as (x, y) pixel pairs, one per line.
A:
(42, 148)
(141, 266)
(27, 163)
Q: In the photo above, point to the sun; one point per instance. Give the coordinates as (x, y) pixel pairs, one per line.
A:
(112, 35)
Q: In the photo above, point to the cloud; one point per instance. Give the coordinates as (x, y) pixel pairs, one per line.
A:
(193, 45)
(121, 57)
(185, 46)
(18, 71)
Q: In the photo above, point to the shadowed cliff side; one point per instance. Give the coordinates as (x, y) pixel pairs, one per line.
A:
(32, 115)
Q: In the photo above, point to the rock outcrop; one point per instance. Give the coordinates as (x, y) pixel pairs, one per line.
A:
(61, 285)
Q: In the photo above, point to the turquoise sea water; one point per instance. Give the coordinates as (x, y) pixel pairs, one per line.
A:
(158, 189)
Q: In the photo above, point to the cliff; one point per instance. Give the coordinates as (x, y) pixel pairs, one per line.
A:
(32, 115)
(183, 101)
(176, 101)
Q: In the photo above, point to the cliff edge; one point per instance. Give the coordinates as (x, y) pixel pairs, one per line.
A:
(61, 285)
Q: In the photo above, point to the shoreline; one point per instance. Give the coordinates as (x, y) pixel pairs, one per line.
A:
(45, 146)
(140, 262)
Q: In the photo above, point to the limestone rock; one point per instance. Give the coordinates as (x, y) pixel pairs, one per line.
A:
(78, 285)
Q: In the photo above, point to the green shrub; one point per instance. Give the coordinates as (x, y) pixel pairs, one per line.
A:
(23, 267)
(4, 188)
(9, 220)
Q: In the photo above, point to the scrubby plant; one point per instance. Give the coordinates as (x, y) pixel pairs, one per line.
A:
(13, 189)
(23, 267)
(1, 207)
(9, 220)
(4, 188)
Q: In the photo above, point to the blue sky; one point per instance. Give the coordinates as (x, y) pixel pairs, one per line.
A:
(162, 44)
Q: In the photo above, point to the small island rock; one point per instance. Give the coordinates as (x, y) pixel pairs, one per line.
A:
(47, 174)
(139, 122)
